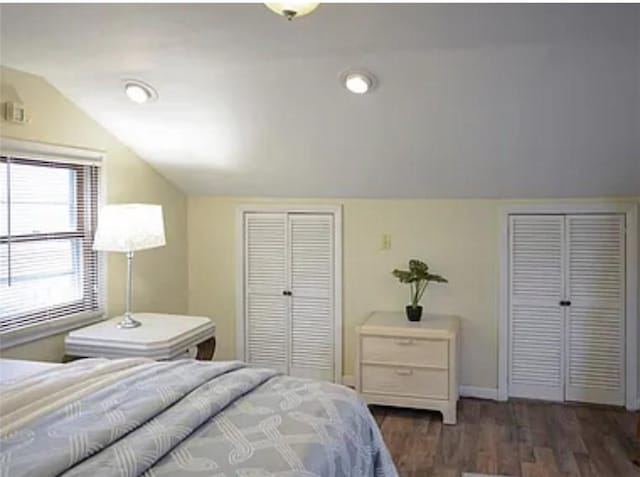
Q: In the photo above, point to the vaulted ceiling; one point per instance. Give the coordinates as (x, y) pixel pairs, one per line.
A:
(472, 100)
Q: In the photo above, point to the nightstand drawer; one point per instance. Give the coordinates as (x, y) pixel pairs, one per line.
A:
(409, 351)
(404, 381)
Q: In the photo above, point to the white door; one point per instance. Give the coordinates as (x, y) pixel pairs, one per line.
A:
(567, 298)
(312, 284)
(536, 365)
(290, 315)
(266, 277)
(596, 317)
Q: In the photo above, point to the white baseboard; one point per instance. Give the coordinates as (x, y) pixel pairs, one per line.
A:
(465, 391)
(478, 392)
(349, 380)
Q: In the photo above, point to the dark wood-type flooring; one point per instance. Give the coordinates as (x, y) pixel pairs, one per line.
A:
(515, 438)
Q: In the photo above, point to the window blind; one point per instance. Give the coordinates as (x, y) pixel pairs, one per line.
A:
(48, 215)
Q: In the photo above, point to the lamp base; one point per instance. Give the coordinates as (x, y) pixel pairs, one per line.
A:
(128, 322)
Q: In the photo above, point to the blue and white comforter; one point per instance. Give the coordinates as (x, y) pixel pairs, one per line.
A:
(186, 419)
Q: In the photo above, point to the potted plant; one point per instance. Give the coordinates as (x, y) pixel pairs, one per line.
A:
(418, 278)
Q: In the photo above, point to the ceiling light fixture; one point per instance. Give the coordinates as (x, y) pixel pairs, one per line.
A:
(139, 92)
(292, 10)
(359, 82)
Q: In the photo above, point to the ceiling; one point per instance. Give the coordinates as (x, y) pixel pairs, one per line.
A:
(472, 100)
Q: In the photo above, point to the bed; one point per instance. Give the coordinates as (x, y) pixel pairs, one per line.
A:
(187, 418)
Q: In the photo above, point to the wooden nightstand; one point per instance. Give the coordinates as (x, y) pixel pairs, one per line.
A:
(161, 337)
(409, 364)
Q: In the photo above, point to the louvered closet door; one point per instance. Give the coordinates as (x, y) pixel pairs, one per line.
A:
(536, 364)
(595, 321)
(266, 277)
(312, 288)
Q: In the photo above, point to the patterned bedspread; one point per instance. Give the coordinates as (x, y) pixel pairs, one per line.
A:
(185, 418)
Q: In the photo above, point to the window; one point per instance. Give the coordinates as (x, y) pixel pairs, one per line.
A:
(48, 214)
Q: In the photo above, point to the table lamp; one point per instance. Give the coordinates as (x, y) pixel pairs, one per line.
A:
(128, 228)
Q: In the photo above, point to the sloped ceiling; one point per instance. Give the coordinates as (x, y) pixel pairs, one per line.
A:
(472, 101)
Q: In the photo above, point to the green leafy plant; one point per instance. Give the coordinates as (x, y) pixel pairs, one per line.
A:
(418, 278)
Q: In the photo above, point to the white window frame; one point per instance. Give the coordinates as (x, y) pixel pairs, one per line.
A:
(630, 210)
(69, 155)
(336, 211)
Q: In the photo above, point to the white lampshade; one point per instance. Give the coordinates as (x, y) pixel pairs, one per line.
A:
(129, 227)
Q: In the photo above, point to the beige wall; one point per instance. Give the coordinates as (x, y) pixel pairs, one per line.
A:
(160, 274)
(458, 238)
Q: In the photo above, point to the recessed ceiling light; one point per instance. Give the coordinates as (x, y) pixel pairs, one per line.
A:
(292, 10)
(139, 92)
(358, 82)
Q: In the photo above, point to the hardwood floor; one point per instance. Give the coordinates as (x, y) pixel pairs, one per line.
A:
(515, 438)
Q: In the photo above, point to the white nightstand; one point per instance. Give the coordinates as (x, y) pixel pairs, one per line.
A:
(161, 337)
(409, 364)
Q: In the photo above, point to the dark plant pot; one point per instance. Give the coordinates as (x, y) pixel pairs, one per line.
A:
(414, 313)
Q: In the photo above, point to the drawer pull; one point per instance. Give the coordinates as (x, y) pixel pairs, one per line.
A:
(404, 372)
(405, 342)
